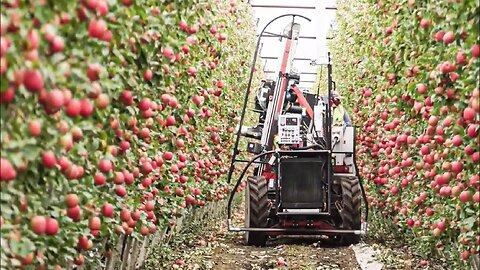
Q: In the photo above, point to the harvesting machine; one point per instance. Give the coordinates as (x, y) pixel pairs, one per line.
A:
(305, 179)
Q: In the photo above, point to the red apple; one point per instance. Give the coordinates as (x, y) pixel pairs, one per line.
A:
(144, 230)
(79, 260)
(72, 200)
(476, 51)
(198, 100)
(190, 200)
(86, 108)
(74, 213)
(136, 215)
(468, 114)
(168, 53)
(449, 37)
(48, 159)
(193, 29)
(33, 80)
(192, 71)
(185, 49)
(7, 171)
(425, 150)
(170, 120)
(475, 157)
(57, 44)
(99, 179)
(82, 242)
(472, 131)
(410, 222)
(38, 224)
(476, 197)
(121, 191)
(461, 57)
(173, 103)
(54, 101)
(457, 166)
(457, 140)
(179, 192)
(35, 128)
(148, 75)
(94, 223)
(125, 215)
(149, 206)
(93, 71)
(105, 165)
(433, 121)
(7, 95)
(127, 97)
(102, 8)
(465, 196)
(183, 25)
(107, 210)
(97, 28)
(144, 104)
(441, 225)
(424, 23)
(33, 39)
(124, 145)
(74, 108)
(51, 226)
(4, 46)
(102, 101)
(127, 3)
(77, 133)
(168, 156)
(91, 4)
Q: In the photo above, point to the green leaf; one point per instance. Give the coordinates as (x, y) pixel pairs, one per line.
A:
(3, 85)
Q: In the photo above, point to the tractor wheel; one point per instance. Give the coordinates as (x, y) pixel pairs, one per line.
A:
(350, 214)
(256, 210)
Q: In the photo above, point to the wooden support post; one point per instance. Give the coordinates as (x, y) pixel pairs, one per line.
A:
(112, 261)
(126, 253)
(133, 255)
(143, 250)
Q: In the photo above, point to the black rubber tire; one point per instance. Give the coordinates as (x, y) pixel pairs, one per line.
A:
(351, 212)
(256, 210)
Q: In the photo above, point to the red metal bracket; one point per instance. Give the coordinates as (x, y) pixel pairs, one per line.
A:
(303, 101)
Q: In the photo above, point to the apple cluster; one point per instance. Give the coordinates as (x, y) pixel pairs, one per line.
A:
(409, 71)
(116, 118)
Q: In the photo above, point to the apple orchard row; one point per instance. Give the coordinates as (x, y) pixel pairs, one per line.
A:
(115, 117)
(410, 75)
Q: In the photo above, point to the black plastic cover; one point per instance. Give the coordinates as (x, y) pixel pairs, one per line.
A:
(302, 182)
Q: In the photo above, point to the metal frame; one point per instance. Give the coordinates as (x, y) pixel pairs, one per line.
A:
(270, 35)
(309, 231)
(278, 153)
(249, 85)
(281, 6)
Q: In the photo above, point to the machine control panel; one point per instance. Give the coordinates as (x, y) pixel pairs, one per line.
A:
(289, 129)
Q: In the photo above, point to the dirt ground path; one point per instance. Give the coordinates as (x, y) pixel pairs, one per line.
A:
(219, 249)
(292, 253)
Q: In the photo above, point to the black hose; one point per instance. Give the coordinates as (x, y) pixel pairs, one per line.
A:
(230, 199)
(363, 191)
(364, 195)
